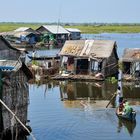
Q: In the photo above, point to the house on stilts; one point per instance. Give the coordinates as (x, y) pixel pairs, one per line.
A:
(89, 58)
(131, 64)
(54, 34)
(14, 90)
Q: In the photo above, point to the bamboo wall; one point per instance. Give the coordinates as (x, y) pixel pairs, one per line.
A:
(15, 96)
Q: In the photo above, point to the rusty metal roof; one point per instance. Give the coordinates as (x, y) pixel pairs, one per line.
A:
(88, 48)
(131, 54)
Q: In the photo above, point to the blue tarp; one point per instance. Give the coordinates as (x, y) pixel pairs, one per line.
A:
(6, 68)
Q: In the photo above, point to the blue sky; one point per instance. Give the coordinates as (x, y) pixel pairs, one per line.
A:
(107, 11)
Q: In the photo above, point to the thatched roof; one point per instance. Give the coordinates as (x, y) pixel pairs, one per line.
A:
(131, 54)
(88, 48)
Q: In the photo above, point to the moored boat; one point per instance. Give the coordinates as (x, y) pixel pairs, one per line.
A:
(44, 57)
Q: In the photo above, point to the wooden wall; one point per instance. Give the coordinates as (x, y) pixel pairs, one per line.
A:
(16, 97)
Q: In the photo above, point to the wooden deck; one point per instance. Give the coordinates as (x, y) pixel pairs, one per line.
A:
(77, 78)
(129, 78)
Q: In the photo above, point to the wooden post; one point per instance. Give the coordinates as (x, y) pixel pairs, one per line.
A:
(90, 64)
(1, 120)
(0, 84)
(75, 66)
(75, 91)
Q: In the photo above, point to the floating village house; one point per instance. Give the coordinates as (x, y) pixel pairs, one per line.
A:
(131, 63)
(89, 57)
(56, 32)
(22, 35)
(75, 34)
(26, 34)
(24, 29)
(14, 88)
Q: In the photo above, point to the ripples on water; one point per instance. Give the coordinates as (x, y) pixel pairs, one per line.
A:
(53, 119)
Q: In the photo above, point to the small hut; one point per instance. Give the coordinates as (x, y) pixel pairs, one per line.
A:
(54, 32)
(75, 34)
(14, 90)
(131, 63)
(23, 36)
(89, 57)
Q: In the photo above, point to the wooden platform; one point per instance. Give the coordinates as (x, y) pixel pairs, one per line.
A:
(129, 78)
(44, 57)
(77, 78)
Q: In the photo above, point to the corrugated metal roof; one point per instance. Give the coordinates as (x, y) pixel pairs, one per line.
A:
(7, 33)
(131, 54)
(72, 30)
(88, 48)
(56, 29)
(73, 48)
(11, 63)
(21, 29)
(14, 66)
(18, 34)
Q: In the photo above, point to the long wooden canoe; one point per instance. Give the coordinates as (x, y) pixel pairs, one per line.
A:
(44, 57)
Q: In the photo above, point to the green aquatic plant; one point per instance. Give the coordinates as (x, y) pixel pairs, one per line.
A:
(113, 80)
(34, 62)
(121, 67)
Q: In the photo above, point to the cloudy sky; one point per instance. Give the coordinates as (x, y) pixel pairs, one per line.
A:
(107, 11)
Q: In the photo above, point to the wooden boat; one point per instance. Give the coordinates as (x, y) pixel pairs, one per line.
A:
(129, 126)
(44, 57)
(131, 117)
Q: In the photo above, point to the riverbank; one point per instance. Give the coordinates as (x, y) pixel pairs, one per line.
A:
(90, 29)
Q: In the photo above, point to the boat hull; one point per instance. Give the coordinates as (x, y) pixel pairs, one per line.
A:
(131, 117)
(44, 57)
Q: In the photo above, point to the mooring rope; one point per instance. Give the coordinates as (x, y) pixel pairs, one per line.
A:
(17, 119)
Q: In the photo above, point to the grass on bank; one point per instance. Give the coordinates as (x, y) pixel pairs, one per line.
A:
(109, 29)
(5, 27)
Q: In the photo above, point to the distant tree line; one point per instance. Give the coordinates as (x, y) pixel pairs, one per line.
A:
(74, 24)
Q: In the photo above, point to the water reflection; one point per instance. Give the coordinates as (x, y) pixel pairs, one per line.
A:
(87, 90)
(102, 91)
(92, 96)
(76, 110)
(129, 126)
